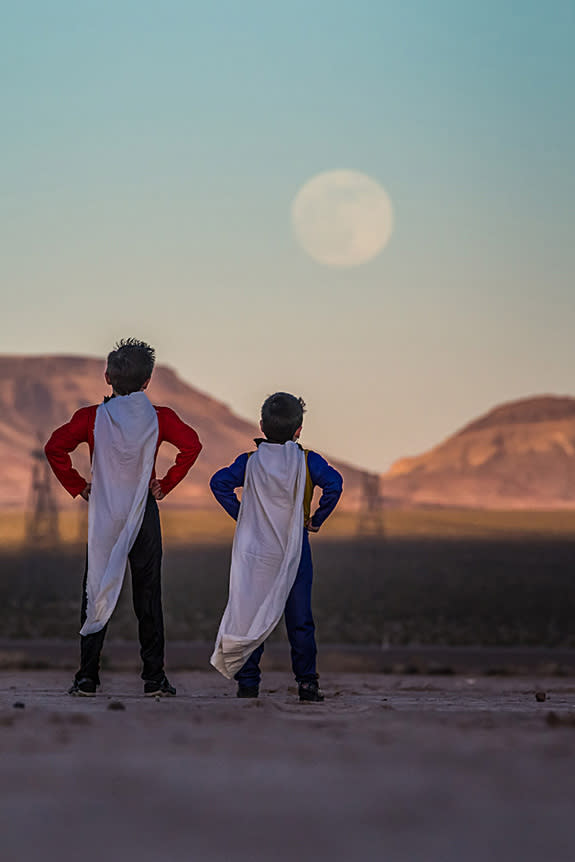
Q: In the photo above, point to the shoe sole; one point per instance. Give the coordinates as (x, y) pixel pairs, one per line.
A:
(82, 693)
(158, 694)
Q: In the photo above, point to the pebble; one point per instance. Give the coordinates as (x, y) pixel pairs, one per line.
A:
(540, 696)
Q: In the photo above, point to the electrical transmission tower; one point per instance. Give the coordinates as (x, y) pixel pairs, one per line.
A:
(42, 527)
(370, 518)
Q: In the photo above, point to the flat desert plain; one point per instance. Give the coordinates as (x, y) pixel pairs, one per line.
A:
(402, 769)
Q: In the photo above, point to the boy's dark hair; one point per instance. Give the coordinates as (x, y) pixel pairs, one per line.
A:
(282, 415)
(130, 364)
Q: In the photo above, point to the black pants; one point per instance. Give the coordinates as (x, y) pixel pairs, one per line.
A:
(145, 565)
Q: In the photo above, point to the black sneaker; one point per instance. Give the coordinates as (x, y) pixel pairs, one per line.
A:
(248, 691)
(83, 688)
(310, 692)
(159, 689)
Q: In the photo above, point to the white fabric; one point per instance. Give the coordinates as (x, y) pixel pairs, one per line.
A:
(125, 438)
(266, 552)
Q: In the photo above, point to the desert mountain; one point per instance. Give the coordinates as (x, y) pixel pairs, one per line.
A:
(519, 455)
(38, 393)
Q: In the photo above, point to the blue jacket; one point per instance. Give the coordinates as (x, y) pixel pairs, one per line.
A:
(225, 481)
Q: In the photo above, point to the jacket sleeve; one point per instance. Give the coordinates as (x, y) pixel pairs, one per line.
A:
(63, 441)
(185, 439)
(224, 483)
(331, 483)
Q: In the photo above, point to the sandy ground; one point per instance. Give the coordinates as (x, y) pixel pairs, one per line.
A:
(60, 654)
(400, 769)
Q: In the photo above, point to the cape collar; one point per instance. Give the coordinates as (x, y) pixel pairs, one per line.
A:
(258, 440)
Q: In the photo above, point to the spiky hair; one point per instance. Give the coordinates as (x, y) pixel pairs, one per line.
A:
(130, 365)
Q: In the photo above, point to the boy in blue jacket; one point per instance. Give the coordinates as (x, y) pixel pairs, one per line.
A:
(281, 423)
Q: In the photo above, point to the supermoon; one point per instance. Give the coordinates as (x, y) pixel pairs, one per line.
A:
(342, 218)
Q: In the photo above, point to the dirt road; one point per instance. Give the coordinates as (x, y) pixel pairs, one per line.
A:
(402, 769)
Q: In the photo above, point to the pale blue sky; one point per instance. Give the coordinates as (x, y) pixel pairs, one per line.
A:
(151, 151)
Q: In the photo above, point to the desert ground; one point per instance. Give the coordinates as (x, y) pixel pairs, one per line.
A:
(400, 768)
(431, 745)
(455, 591)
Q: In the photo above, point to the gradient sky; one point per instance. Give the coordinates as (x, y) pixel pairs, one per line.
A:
(151, 152)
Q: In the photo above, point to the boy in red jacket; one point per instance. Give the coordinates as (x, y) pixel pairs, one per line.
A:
(124, 434)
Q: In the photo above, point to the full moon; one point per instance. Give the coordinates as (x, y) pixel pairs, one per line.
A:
(342, 218)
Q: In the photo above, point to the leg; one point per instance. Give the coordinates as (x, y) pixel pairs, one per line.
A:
(90, 645)
(299, 620)
(250, 674)
(146, 566)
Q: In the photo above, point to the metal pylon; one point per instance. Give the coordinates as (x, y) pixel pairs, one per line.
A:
(43, 526)
(370, 516)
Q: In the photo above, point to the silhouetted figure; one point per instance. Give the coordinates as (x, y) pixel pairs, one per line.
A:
(43, 525)
(370, 520)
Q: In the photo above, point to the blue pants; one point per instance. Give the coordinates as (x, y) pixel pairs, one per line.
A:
(300, 628)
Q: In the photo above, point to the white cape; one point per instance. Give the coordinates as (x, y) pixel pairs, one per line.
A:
(125, 439)
(266, 552)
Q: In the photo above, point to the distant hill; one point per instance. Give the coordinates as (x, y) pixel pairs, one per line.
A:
(37, 393)
(519, 455)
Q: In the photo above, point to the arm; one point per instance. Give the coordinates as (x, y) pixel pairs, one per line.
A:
(184, 438)
(224, 484)
(63, 441)
(331, 483)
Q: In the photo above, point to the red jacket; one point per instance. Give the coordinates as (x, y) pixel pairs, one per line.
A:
(80, 429)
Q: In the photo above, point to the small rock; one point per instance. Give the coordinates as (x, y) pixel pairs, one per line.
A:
(158, 698)
(540, 696)
(116, 705)
(19, 705)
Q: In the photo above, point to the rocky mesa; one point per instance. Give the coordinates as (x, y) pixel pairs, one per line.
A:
(38, 393)
(519, 455)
